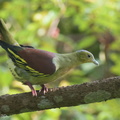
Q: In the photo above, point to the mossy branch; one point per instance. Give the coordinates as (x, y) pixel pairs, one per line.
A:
(95, 91)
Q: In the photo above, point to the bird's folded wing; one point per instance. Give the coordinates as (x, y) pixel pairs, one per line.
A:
(34, 61)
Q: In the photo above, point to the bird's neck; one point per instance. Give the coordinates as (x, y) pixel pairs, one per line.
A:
(66, 60)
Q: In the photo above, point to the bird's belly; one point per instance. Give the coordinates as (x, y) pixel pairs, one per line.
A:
(50, 78)
(23, 76)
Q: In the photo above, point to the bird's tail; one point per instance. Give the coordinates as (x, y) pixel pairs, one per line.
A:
(8, 47)
(4, 45)
(11, 50)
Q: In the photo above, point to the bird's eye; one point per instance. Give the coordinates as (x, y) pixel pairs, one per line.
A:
(89, 56)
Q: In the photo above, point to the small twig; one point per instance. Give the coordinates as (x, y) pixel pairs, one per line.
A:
(6, 35)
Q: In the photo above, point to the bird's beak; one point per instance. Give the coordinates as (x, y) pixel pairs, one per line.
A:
(95, 62)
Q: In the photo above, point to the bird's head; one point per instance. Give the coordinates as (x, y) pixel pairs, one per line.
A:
(85, 56)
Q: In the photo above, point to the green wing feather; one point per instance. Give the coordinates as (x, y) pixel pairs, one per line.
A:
(21, 63)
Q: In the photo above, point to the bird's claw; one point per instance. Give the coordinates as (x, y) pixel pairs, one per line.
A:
(43, 90)
(34, 93)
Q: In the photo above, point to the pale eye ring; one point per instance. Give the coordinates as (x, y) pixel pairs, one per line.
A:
(89, 56)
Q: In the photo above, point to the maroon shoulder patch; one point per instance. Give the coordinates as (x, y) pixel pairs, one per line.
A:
(39, 60)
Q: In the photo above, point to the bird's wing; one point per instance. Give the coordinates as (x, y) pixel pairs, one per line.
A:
(34, 61)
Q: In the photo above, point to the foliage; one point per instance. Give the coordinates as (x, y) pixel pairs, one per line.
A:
(65, 26)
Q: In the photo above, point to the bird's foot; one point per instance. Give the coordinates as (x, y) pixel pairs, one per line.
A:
(34, 93)
(44, 89)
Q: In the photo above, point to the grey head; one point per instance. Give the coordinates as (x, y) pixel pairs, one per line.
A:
(85, 56)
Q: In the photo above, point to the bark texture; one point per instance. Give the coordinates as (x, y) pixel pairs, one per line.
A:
(96, 91)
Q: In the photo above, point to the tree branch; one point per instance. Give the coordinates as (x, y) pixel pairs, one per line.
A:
(85, 93)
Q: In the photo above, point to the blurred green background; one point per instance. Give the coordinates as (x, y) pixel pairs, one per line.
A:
(65, 26)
